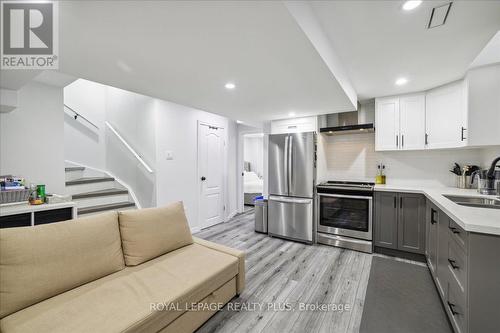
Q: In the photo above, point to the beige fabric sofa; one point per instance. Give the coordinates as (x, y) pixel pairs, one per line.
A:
(133, 271)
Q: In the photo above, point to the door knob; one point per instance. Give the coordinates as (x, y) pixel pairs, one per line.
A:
(203, 178)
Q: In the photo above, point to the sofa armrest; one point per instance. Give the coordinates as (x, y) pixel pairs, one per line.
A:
(240, 281)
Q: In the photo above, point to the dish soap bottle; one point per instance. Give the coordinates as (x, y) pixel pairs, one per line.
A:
(380, 177)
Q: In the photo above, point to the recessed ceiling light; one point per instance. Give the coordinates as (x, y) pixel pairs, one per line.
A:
(239, 122)
(412, 4)
(291, 114)
(401, 81)
(230, 86)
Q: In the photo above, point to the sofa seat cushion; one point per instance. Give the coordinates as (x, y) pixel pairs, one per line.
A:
(122, 302)
(151, 232)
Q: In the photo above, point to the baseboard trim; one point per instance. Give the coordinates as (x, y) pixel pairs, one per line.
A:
(400, 254)
(231, 215)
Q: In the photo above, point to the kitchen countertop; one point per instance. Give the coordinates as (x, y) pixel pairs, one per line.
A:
(481, 220)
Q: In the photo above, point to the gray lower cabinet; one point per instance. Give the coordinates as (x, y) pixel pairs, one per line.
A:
(400, 221)
(386, 220)
(411, 223)
(466, 270)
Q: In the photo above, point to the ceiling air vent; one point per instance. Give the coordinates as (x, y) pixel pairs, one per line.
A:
(439, 15)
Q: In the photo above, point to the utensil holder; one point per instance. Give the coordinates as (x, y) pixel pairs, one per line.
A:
(463, 181)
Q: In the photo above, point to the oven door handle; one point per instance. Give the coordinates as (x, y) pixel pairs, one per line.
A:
(344, 196)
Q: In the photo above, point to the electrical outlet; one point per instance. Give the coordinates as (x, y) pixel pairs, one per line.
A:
(169, 155)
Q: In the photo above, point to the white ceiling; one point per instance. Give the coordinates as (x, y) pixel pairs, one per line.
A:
(186, 51)
(490, 54)
(378, 42)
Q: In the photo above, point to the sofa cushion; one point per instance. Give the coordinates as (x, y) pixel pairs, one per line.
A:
(121, 302)
(42, 261)
(152, 232)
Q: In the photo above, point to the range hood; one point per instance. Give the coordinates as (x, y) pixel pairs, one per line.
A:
(347, 123)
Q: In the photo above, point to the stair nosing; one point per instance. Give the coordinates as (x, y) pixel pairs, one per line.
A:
(89, 180)
(99, 208)
(101, 193)
(67, 169)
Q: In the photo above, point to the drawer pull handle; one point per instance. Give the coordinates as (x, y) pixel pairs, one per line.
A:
(433, 220)
(452, 264)
(452, 308)
(454, 230)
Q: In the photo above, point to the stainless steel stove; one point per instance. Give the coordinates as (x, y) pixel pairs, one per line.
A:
(345, 214)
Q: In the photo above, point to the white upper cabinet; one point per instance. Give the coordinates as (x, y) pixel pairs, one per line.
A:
(483, 86)
(412, 121)
(400, 122)
(294, 125)
(445, 109)
(387, 123)
(458, 114)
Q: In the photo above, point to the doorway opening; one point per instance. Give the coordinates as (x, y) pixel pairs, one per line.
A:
(253, 168)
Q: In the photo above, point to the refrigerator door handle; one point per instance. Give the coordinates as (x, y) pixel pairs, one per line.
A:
(285, 164)
(290, 166)
(290, 200)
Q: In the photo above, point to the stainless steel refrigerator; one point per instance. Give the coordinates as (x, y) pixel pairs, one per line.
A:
(292, 173)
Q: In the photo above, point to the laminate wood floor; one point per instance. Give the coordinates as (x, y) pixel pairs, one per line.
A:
(282, 276)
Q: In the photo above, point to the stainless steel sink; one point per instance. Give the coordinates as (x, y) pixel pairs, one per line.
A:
(474, 201)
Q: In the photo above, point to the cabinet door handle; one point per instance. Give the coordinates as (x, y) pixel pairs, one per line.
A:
(454, 230)
(401, 202)
(433, 220)
(426, 138)
(463, 129)
(452, 264)
(397, 140)
(402, 140)
(452, 308)
(395, 206)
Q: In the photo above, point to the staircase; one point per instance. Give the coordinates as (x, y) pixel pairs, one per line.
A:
(95, 192)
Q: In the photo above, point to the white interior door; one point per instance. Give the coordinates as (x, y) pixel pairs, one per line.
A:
(210, 173)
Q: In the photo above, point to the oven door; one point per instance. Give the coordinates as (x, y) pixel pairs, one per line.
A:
(345, 215)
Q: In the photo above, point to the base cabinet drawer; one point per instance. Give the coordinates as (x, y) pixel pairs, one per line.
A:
(457, 233)
(457, 264)
(456, 306)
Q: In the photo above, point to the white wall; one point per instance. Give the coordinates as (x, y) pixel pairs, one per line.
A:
(353, 157)
(253, 153)
(151, 127)
(489, 154)
(133, 116)
(177, 179)
(83, 143)
(32, 137)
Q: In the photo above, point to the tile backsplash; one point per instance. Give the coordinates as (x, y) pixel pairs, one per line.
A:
(353, 157)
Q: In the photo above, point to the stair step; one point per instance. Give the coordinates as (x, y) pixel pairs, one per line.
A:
(100, 208)
(67, 169)
(100, 193)
(89, 180)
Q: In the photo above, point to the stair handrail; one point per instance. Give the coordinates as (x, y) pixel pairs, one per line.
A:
(136, 155)
(77, 115)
